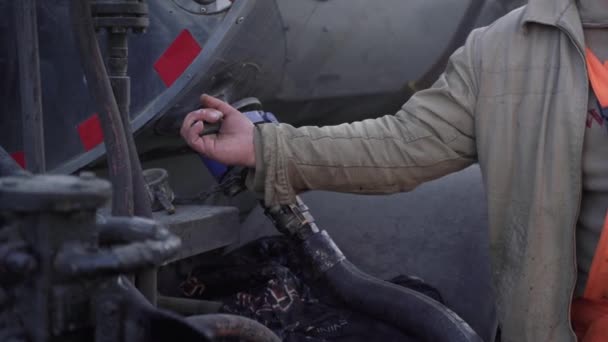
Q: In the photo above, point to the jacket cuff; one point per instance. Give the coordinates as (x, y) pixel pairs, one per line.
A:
(270, 179)
(256, 178)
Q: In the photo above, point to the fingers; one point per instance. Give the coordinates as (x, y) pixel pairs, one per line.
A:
(204, 144)
(192, 136)
(193, 126)
(207, 115)
(215, 103)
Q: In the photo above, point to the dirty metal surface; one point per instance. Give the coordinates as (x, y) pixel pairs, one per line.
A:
(201, 228)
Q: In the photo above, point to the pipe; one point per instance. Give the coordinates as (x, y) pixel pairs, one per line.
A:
(145, 280)
(118, 55)
(189, 307)
(167, 326)
(30, 86)
(77, 261)
(129, 196)
(412, 312)
(221, 326)
(122, 313)
(97, 79)
(118, 64)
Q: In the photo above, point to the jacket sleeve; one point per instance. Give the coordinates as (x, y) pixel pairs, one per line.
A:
(433, 134)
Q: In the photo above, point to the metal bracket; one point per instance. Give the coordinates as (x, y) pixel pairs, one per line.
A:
(204, 7)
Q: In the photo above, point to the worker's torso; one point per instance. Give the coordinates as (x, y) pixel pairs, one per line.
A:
(530, 117)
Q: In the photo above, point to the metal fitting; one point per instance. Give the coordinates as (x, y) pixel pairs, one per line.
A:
(120, 15)
(160, 192)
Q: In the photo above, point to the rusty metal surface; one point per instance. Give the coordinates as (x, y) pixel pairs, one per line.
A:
(60, 268)
(43, 218)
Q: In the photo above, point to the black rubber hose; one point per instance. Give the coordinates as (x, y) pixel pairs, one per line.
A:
(220, 326)
(412, 312)
(119, 165)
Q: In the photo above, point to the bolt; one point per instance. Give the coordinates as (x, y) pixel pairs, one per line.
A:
(203, 10)
(240, 20)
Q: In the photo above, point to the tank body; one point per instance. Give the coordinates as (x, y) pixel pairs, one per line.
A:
(309, 62)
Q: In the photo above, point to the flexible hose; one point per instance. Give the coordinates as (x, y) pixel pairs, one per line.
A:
(413, 312)
(410, 311)
(119, 165)
(129, 195)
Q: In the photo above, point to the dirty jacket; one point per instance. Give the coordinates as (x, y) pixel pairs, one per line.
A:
(514, 100)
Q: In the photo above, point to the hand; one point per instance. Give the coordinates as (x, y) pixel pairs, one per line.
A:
(233, 145)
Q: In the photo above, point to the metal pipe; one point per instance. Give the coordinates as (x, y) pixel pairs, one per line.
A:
(97, 79)
(188, 307)
(30, 87)
(76, 261)
(230, 326)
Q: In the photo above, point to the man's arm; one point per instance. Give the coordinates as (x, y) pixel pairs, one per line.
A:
(432, 135)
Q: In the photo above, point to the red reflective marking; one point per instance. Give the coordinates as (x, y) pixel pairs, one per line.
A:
(90, 132)
(19, 157)
(178, 56)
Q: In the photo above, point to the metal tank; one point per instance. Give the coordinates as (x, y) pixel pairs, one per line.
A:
(308, 61)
